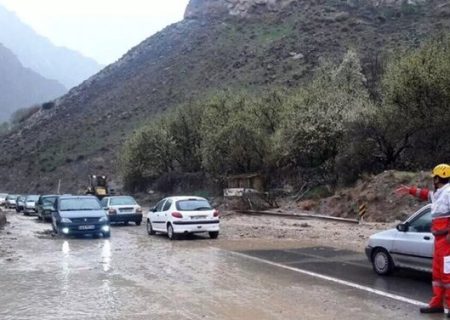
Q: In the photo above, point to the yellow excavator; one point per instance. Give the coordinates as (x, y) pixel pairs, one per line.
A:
(98, 186)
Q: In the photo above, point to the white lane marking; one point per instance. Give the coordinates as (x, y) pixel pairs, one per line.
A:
(335, 280)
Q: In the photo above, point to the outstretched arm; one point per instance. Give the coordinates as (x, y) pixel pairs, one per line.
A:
(422, 194)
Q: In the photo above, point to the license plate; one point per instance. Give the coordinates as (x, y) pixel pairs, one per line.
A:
(198, 217)
(86, 227)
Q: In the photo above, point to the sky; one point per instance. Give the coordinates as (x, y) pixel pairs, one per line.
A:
(101, 29)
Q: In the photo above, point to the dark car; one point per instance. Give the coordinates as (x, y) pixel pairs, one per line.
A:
(80, 215)
(20, 202)
(45, 206)
(123, 209)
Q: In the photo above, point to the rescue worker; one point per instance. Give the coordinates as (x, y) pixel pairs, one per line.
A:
(440, 227)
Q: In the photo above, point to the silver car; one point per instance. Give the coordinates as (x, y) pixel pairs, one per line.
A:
(10, 202)
(29, 206)
(3, 198)
(410, 245)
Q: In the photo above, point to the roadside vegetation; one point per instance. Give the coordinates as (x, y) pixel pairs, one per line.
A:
(328, 132)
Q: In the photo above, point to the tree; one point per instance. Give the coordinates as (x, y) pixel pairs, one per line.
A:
(316, 118)
(147, 155)
(184, 126)
(233, 140)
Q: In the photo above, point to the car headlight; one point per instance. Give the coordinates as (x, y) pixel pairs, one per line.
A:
(103, 219)
(139, 209)
(66, 220)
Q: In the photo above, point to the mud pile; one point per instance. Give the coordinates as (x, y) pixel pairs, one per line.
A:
(377, 193)
(2, 219)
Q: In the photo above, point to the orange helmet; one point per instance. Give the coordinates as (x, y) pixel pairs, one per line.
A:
(442, 171)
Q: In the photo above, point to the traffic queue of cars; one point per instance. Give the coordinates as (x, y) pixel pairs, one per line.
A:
(80, 215)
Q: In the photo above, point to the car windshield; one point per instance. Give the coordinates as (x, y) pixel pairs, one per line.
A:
(79, 204)
(3, 195)
(49, 201)
(12, 197)
(193, 205)
(32, 198)
(121, 201)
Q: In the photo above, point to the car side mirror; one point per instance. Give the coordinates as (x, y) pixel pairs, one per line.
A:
(403, 227)
(153, 209)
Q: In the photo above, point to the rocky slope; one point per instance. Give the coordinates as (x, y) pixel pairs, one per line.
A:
(37, 53)
(377, 193)
(266, 48)
(21, 87)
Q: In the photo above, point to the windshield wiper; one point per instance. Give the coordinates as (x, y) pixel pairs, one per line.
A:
(202, 208)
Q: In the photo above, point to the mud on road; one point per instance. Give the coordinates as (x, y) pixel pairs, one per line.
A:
(134, 276)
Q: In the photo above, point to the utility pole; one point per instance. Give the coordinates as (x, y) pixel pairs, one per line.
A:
(59, 186)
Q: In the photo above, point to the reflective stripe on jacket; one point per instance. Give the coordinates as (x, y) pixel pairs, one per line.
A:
(440, 202)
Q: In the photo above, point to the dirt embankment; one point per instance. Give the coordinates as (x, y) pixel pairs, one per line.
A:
(2, 219)
(377, 193)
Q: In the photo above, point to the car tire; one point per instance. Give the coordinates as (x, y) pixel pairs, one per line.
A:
(382, 262)
(170, 233)
(150, 230)
(214, 234)
(138, 223)
(106, 235)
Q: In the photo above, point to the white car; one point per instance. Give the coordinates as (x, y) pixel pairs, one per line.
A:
(122, 209)
(410, 245)
(183, 215)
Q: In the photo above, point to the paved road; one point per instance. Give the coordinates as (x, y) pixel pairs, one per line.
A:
(349, 266)
(134, 276)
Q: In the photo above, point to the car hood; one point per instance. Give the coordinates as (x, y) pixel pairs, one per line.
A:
(391, 233)
(82, 214)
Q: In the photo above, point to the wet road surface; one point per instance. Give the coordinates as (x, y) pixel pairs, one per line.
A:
(134, 276)
(352, 267)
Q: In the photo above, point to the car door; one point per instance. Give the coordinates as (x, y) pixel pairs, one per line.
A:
(155, 217)
(165, 212)
(414, 248)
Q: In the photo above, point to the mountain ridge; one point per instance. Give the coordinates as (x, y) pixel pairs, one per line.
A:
(21, 87)
(36, 52)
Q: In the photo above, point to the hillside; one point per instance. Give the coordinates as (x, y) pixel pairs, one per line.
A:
(21, 87)
(37, 53)
(213, 48)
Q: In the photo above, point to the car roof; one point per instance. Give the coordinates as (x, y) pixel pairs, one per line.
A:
(179, 198)
(76, 197)
(420, 211)
(112, 197)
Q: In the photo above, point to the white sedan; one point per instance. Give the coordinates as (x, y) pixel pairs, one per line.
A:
(183, 215)
(410, 245)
